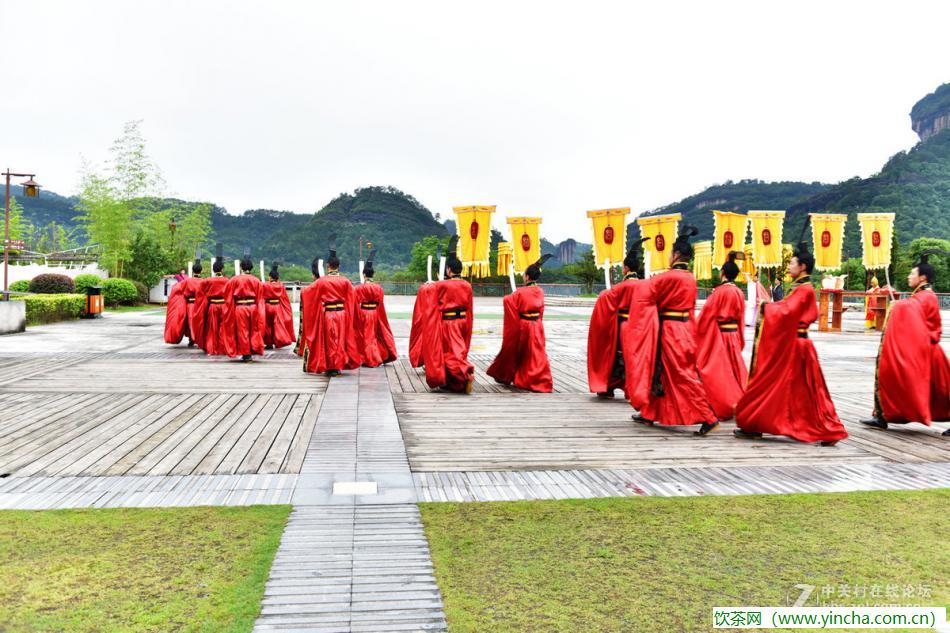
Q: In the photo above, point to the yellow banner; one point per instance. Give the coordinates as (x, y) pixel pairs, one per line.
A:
(729, 235)
(661, 229)
(702, 260)
(474, 230)
(877, 229)
(504, 258)
(610, 235)
(767, 237)
(525, 241)
(828, 233)
(748, 265)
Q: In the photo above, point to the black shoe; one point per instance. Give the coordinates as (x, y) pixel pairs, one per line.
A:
(946, 433)
(639, 419)
(746, 435)
(246, 358)
(191, 343)
(605, 395)
(876, 423)
(333, 372)
(829, 442)
(706, 428)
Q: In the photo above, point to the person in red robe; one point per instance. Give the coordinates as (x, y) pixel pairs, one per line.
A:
(180, 311)
(523, 359)
(676, 396)
(244, 319)
(447, 330)
(278, 314)
(612, 364)
(315, 267)
(786, 393)
(374, 336)
(913, 373)
(420, 308)
(329, 310)
(211, 310)
(720, 337)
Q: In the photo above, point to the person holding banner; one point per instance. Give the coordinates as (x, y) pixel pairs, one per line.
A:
(180, 311)
(375, 337)
(244, 315)
(720, 339)
(676, 396)
(278, 314)
(786, 393)
(913, 373)
(613, 357)
(211, 311)
(329, 311)
(315, 265)
(447, 330)
(523, 359)
(420, 308)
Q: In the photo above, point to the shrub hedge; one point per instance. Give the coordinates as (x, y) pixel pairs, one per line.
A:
(86, 280)
(49, 308)
(22, 285)
(117, 291)
(52, 283)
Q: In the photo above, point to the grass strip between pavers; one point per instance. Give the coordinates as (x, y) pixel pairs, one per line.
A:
(662, 564)
(162, 569)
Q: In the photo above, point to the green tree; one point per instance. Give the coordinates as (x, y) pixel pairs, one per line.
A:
(107, 221)
(416, 270)
(586, 270)
(941, 263)
(20, 228)
(148, 260)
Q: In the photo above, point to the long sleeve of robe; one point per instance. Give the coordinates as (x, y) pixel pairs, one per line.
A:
(786, 393)
(374, 334)
(278, 315)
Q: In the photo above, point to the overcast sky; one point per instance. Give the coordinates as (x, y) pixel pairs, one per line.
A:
(538, 107)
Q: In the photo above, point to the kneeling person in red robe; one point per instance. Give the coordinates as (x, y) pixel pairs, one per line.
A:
(244, 320)
(375, 337)
(786, 393)
(523, 359)
(720, 337)
(913, 372)
(278, 313)
(447, 330)
(329, 311)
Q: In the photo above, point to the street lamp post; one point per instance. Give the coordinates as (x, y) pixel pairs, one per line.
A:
(31, 189)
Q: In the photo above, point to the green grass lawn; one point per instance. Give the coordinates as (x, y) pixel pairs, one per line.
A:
(145, 307)
(662, 564)
(179, 569)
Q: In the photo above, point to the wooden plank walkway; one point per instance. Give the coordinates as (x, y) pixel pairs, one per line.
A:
(676, 482)
(143, 433)
(352, 568)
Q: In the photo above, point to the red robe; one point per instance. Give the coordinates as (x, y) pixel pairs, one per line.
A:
(244, 319)
(605, 371)
(302, 322)
(523, 359)
(720, 339)
(638, 338)
(447, 335)
(210, 315)
(374, 336)
(179, 314)
(913, 372)
(278, 316)
(330, 342)
(420, 309)
(786, 393)
(677, 396)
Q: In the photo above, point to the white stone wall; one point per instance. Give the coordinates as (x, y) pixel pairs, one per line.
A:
(29, 271)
